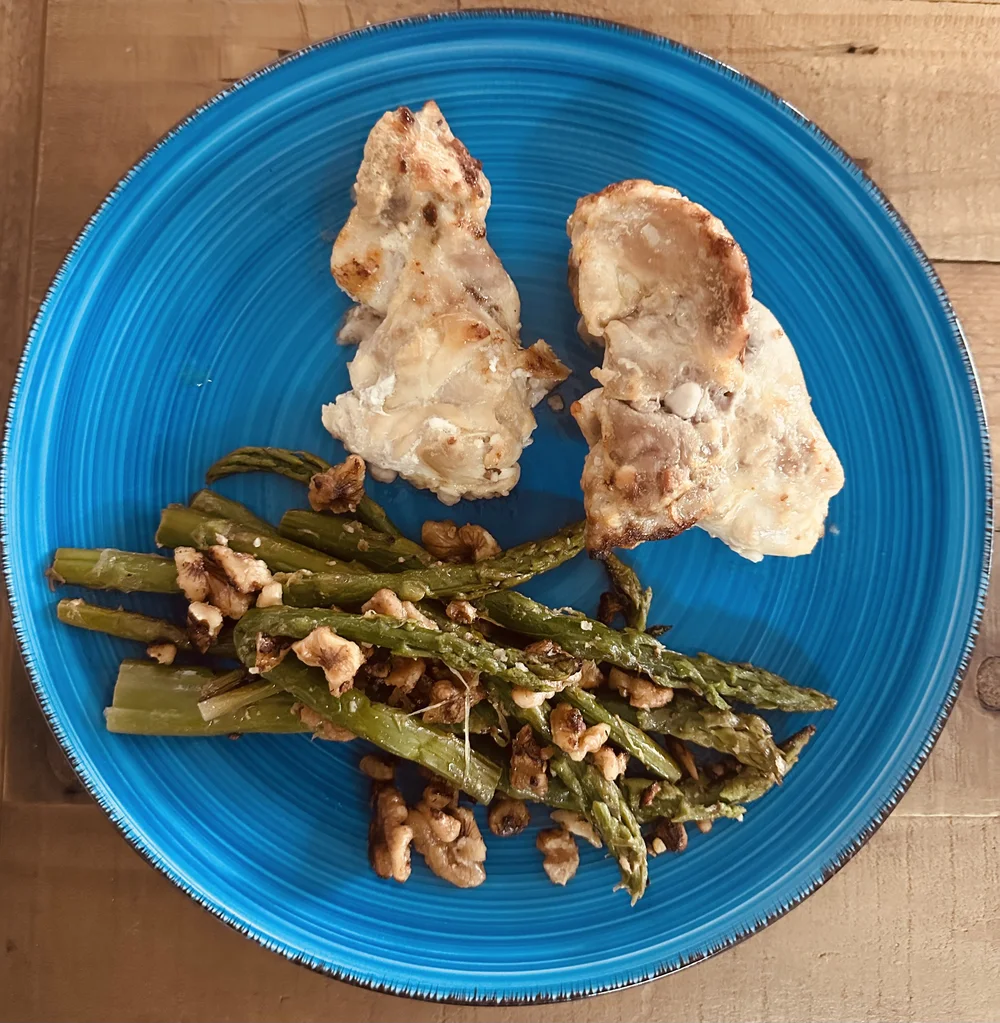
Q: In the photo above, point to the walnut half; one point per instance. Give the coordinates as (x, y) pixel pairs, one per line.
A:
(449, 542)
(389, 834)
(561, 856)
(639, 692)
(340, 488)
(508, 816)
(450, 842)
(339, 658)
(528, 765)
(571, 734)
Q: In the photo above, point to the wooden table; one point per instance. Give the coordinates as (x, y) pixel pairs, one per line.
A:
(910, 930)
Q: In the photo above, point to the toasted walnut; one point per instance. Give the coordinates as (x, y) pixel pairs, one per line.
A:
(577, 825)
(376, 768)
(271, 651)
(590, 675)
(449, 542)
(639, 692)
(405, 672)
(270, 595)
(162, 653)
(244, 572)
(609, 762)
(609, 606)
(385, 602)
(340, 488)
(526, 699)
(389, 834)
(458, 860)
(320, 727)
(571, 734)
(528, 765)
(448, 700)
(683, 756)
(462, 611)
(439, 794)
(192, 573)
(204, 623)
(561, 857)
(546, 649)
(226, 597)
(508, 816)
(649, 793)
(703, 826)
(338, 657)
(667, 836)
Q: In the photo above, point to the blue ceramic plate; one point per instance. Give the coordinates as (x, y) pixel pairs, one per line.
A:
(196, 314)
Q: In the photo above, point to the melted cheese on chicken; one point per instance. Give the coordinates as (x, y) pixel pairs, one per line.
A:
(703, 417)
(442, 390)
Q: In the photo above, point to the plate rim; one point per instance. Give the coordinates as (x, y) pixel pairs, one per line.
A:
(428, 993)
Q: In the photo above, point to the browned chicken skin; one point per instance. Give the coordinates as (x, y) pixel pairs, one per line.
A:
(702, 417)
(442, 390)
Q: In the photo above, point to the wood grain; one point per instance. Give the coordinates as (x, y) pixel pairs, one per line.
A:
(909, 930)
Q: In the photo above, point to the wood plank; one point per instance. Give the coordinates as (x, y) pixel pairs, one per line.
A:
(869, 945)
(22, 35)
(896, 82)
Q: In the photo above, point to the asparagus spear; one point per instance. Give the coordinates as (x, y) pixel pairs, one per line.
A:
(117, 622)
(208, 502)
(633, 598)
(624, 733)
(110, 569)
(230, 701)
(710, 797)
(407, 639)
(352, 540)
(159, 699)
(130, 625)
(300, 466)
(392, 730)
(513, 566)
(186, 527)
(710, 678)
(747, 737)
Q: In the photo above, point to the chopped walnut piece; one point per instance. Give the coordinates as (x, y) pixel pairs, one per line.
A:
(439, 794)
(591, 677)
(667, 836)
(204, 623)
(376, 768)
(508, 816)
(639, 692)
(405, 672)
(649, 793)
(339, 658)
(389, 834)
(560, 855)
(340, 488)
(448, 699)
(571, 734)
(703, 826)
(609, 762)
(457, 859)
(449, 542)
(683, 756)
(244, 572)
(192, 573)
(228, 599)
(162, 653)
(320, 727)
(271, 651)
(385, 602)
(462, 611)
(270, 595)
(526, 699)
(528, 765)
(577, 825)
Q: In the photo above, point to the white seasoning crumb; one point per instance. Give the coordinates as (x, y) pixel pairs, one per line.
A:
(586, 626)
(401, 560)
(834, 529)
(256, 541)
(348, 529)
(555, 402)
(221, 540)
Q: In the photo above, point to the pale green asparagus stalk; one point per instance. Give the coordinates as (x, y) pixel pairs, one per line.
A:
(351, 540)
(110, 569)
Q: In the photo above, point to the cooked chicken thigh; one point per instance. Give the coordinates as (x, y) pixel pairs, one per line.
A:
(703, 417)
(442, 390)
